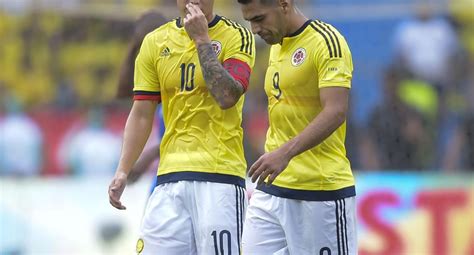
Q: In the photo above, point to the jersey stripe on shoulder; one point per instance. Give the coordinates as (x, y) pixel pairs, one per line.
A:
(328, 38)
(251, 40)
(335, 36)
(230, 24)
(324, 36)
(246, 36)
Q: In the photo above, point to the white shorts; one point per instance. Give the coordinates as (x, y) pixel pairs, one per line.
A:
(193, 217)
(275, 225)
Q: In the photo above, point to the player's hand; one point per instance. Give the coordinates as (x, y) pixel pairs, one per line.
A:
(196, 25)
(270, 165)
(116, 188)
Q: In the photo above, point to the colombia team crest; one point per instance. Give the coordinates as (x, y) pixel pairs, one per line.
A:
(217, 47)
(298, 57)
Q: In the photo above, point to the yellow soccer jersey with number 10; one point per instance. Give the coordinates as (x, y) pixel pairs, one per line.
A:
(314, 57)
(202, 142)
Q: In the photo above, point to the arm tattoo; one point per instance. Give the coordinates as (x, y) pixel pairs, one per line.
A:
(223, 87)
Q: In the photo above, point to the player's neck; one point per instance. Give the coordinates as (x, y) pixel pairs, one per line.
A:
(210, 18)
(296, 21)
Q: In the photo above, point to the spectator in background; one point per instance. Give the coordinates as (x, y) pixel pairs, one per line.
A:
(21, 140)
(93, 150)
(425, 47)
(396, 136)
(110, 230)
(427, 51)
(255, 115)
(462, 15)
(148, 22)
(460, 149)
(255, 125)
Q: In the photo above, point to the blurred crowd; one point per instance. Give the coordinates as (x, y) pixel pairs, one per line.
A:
(59, 72)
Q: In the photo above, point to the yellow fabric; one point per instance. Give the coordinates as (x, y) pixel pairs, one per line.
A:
(420, 95)
(325, 167)
(462, 11)
(199, 137)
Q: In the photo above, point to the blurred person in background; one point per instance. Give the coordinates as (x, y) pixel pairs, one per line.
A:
(92, 149)
(396, 137)
(255, 124)
(461, 14)
(255, 116)
(198, 66)
(427, 49)
(304, 202)
(21, 140)
(459, 153)
(460, 150)
(418, 56)
(148, 22)
(111, 230)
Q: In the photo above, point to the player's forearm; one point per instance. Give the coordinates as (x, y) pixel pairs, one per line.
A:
(222, 86)
(325, 123)
(137, 130)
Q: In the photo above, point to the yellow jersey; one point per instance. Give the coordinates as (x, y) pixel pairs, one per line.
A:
(201, 142)
(314, 57)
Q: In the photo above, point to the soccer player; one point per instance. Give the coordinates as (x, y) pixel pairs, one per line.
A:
(198, 67)
(304, 202)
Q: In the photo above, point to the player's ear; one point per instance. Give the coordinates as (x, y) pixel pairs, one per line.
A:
(284, 4)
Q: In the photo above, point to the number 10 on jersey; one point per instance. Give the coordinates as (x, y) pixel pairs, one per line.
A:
(187, 76)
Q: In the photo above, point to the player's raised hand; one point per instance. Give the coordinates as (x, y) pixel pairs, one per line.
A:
(116, 188)
(195, 24)
(270, 165)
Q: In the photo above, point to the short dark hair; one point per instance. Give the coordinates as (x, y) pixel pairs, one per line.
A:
(264, 2)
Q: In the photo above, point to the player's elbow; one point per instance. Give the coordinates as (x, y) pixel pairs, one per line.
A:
(340, 115)
(336, 114)
(226, 103)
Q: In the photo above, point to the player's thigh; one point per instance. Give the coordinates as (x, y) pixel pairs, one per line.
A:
(218, 217)
(263, 233)
(166, 226)
(325, 228)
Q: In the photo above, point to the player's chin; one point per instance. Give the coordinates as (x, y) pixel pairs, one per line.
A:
(271, 42)
(269, 39)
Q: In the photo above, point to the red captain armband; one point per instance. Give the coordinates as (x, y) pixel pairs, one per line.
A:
(146, 95)
(239, 70)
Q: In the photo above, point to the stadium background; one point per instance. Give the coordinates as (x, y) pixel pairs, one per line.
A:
(60, 126)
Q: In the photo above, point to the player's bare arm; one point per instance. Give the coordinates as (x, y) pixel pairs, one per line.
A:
(335, 101)
(222, 86)
(137, 130)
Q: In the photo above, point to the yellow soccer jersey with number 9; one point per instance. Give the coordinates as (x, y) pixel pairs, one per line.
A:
(314, 57)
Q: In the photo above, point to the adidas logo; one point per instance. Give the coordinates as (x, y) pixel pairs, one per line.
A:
(166, 52)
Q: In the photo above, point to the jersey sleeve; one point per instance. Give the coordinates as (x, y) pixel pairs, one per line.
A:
(239, 56)
(241, 46)
(333, 64)
(146, 83)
